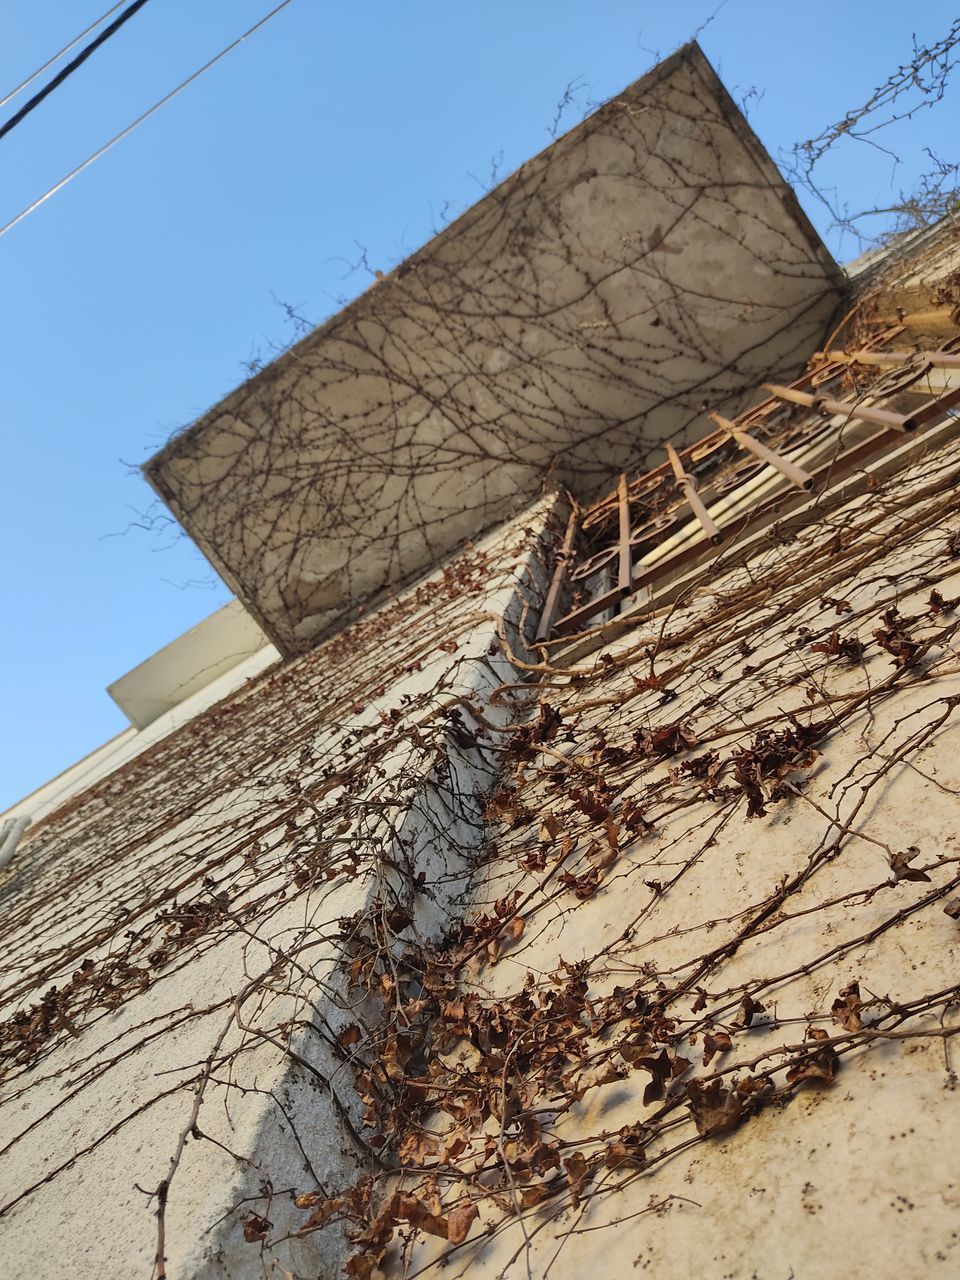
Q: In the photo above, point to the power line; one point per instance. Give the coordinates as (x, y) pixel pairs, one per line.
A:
(71, 66)
(57, 56)
(118, 137)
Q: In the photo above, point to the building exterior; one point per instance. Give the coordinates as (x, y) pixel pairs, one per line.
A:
(547, 864)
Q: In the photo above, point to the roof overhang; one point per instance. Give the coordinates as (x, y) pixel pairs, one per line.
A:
(647, 265)
(188, 664)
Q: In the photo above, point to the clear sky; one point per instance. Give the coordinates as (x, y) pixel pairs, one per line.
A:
(132, 299)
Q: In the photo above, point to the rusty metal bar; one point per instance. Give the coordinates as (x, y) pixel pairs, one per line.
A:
(828, 407)
(688, 487)
(893, 359)
(625, 584)
(571, 621)
(925, 324)
(625, 574)
(796, 475)
(933, 408)
(558, 579)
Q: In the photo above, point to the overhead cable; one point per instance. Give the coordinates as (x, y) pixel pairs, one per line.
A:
(71, 66)
(118, 137)
(57, 56)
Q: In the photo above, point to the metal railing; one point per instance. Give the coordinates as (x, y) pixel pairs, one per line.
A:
(656, 523)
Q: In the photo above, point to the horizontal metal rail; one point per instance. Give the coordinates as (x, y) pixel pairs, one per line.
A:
(893, 359)
(845, 408)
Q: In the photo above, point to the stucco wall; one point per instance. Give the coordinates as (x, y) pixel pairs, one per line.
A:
(700, 1018)
(643, 957)
(171, 938)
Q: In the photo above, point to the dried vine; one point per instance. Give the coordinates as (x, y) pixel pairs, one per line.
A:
(797, 689)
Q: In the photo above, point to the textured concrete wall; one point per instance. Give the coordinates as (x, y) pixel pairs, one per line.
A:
(174, 979)
(749, 799)
(424, 955)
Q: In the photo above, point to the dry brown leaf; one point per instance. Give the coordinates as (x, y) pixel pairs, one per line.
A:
(515, 928)
(322, 1213)
(661, 1070)
(900, 865)
(576, 1170)
(715, 1109)
(256, 1228)
(533, 1195)
(418, 1147)
(459, 1221)
(600, 858)
(549, 828)
(419, 1215)
(715, 1043)
(820, 1065)
(363, 1266)
(846, 1008)
(748, 1010)
(429, 1194)
(454, 1147)
(603, 1073)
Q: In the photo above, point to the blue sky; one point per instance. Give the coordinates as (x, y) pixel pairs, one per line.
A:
(132, 299)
